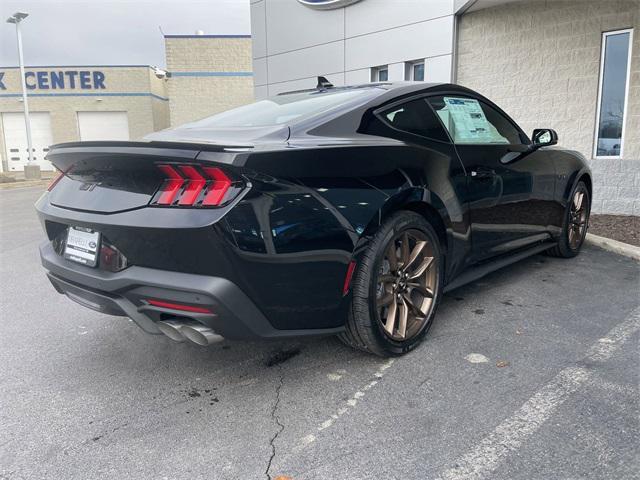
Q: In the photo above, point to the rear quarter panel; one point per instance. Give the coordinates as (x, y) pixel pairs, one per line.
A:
(313, 209)
(288, 240)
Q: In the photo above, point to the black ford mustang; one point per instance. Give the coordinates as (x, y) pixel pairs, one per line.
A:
(342, 211)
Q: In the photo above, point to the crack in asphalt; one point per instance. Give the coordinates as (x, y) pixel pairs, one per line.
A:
(275, 417)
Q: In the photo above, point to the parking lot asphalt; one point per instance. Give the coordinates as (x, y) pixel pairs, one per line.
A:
(529, 373)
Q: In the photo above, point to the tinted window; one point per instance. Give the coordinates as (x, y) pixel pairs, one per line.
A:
(416, 117)
(470, 121)
(283, 109)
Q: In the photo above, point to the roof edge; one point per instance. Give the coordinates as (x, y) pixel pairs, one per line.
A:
(207, 36)
(467, 6)
(78, 66)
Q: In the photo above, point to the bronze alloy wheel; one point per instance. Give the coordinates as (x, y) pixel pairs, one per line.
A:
(577, 219)
(406, 285)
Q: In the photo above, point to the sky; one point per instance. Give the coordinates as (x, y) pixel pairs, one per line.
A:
(111, 32)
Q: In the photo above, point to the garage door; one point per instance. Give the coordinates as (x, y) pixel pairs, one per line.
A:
(15, 139)
(103, 126)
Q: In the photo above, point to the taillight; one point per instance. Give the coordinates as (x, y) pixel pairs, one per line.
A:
(193, 186)
(55, 181)
(171, 185)
(218, 188)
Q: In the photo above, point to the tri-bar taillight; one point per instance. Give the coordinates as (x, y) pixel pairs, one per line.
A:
(55, 180)
(192, 186)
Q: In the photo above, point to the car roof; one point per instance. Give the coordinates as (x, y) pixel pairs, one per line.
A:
(397, 87)
(390, 91)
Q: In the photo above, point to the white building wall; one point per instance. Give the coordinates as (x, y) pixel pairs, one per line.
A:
(293, 44)
(555, 85)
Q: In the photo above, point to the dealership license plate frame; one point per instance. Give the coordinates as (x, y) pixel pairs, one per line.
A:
(82, 246)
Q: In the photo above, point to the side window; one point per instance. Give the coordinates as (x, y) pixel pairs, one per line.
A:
(470, 121)
(415, 117)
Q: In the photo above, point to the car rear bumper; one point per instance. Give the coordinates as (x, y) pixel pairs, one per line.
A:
(231, 314)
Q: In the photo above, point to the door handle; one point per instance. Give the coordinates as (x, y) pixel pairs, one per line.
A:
(483, 173)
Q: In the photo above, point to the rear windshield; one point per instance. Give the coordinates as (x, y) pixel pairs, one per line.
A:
(283, 109)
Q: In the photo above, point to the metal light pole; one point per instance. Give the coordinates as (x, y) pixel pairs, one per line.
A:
(31, 169)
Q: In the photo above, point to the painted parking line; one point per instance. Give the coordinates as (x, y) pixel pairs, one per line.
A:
(604, 384)
(507, 437)
(351, 403)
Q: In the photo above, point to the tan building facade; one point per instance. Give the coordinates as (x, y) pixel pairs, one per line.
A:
(207, 74)
(73, 103)
(561, 65)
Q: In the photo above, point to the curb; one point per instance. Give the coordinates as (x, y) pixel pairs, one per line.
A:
(24, 184)
(620, 248)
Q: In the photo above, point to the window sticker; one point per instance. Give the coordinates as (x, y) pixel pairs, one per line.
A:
(466, 119)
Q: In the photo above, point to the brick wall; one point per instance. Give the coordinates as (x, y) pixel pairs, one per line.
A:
(208, 75)
(64, 117)
(145, 113)
(540, 60)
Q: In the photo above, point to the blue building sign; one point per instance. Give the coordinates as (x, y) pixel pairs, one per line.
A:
(61, 80)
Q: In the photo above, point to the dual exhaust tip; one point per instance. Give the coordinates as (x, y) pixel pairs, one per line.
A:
(179, 331)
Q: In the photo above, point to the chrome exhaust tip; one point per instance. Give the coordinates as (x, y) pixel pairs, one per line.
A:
(172, 329)
(201, 335)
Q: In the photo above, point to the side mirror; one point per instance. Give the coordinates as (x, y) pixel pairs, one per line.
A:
(543, 137)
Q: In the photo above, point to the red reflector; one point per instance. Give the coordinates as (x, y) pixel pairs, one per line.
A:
(218, 187)
(347, 279)
(171, 186)
(55, 181)
(178, 306)
(194, 187)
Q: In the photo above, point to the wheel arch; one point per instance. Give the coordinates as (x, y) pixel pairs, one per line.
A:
(432, 216)
(583, 174)
(586, 178)
(420, 201)
(574, 168)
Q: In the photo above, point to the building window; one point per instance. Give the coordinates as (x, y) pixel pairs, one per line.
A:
(380, 74)
(612, 93)
(414, 71)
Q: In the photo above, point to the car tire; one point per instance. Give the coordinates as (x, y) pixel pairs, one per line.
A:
(575, 223)
(370, 325)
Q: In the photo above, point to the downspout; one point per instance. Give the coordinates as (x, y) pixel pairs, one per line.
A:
(454, 50)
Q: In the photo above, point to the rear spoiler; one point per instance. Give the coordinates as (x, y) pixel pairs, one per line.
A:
(132, 155)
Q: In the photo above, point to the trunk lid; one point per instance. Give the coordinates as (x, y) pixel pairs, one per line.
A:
(112, 177)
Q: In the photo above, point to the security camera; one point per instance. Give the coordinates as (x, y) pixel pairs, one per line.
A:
(160, 73)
